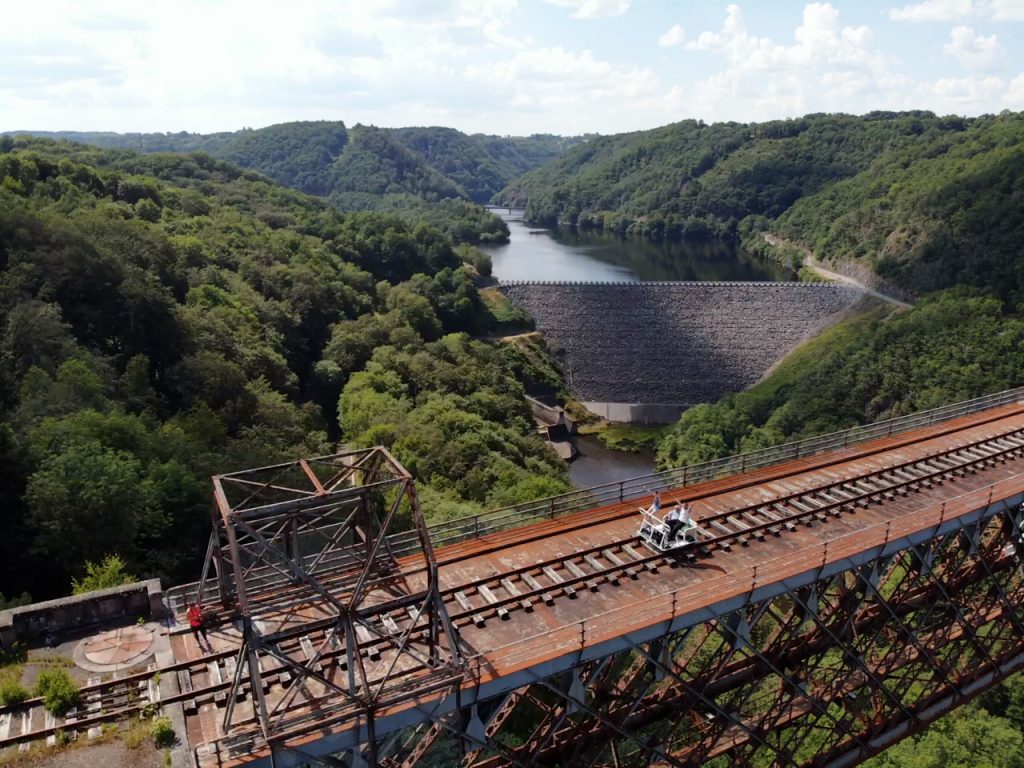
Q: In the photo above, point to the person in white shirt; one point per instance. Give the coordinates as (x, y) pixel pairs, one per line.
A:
(674, 520)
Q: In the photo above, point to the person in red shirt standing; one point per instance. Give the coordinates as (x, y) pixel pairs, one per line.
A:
(195, 620)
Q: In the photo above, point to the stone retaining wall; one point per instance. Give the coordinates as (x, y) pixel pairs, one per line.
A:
(674, 343)
(31, 623)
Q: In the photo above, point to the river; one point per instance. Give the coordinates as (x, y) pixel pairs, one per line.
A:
(574, 255)
(596, 464)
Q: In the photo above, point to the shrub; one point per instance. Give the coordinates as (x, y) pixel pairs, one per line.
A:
(111, 572)
(57, 689)
(12, 693)
(162, 732)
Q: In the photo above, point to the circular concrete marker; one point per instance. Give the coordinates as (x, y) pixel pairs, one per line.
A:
(114, 649)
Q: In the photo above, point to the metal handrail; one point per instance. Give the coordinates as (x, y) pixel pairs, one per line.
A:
(474, 526)
(553, 507)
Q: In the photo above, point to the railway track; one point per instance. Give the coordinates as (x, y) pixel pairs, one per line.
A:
(285, 594)
(206, 680)
(589, 568)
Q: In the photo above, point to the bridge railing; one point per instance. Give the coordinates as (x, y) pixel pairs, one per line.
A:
(552, 507)
(743, 580)
(474, 526)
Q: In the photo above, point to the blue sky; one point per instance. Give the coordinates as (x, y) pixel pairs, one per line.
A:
(502, 67)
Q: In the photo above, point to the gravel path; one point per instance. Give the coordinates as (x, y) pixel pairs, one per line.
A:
(111, 754)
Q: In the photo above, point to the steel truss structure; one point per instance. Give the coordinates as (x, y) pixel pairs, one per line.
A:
(299, 560)
(827, 672)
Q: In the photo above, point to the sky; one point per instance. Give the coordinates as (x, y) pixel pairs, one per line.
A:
(504, 67)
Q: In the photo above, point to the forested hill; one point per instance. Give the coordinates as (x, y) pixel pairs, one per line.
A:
(326, 159)
(926, 201)
(166, 317)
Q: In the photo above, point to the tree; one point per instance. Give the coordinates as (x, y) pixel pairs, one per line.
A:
(88, 501)
(111, 572)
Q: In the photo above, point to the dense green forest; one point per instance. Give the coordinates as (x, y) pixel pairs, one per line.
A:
(167, 317)
(404, 171)
(953, 345)
(927, 202)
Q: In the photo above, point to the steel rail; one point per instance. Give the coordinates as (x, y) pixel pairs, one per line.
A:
(725, 540)
(960, 455)
(622, 509)
(494, 522)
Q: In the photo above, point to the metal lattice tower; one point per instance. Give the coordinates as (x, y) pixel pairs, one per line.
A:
(299, 558)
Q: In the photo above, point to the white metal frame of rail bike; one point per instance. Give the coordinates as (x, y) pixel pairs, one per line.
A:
(654, 532)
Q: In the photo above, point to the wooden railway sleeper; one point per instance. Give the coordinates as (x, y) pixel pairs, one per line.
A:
(721, 528)
(786, 515)
(510, 587)
(213, 669)
(837, 492)
(809, 511)
(835, 505)
(632, 571)
(864, 495)
(533, 584)
(906, 477)
(491, 598)
(1009, 449)
(649, 565)
(775, 530)
(579, 573)
(556, 579)
(185, 686)
(463, 601)
(937, 468)
(975, 456)
(612, 577)
(759, 530)
(1013, 442)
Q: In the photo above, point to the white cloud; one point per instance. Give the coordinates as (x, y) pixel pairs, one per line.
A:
(1007, 10)
(957, 10)
(827, 67)
(975, 52)
(673, 37)
(1014, 96)
(964, 95)
(593, 9)
(475, 65)
(933, 10)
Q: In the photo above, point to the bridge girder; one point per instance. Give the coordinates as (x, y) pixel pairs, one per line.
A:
(828, 673)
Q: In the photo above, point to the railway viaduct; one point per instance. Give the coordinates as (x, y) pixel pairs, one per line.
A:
(646, 351)
(845, 592)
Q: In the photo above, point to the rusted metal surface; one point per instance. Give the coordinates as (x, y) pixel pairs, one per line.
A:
(528, 605)
(302, 563)
(859, 593)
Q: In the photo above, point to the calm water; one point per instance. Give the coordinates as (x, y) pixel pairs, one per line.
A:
(596, 464)
(564, 254)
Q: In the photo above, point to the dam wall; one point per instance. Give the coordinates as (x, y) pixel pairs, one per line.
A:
(647, 351)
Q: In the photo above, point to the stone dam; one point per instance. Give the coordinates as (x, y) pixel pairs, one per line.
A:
(644, 352)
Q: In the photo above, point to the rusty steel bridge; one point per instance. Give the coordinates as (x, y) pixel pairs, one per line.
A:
(844, 593)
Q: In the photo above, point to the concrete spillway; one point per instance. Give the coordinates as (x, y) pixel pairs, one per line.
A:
(646, 351)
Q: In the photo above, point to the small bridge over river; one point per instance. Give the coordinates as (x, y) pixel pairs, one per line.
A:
(646, 351)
